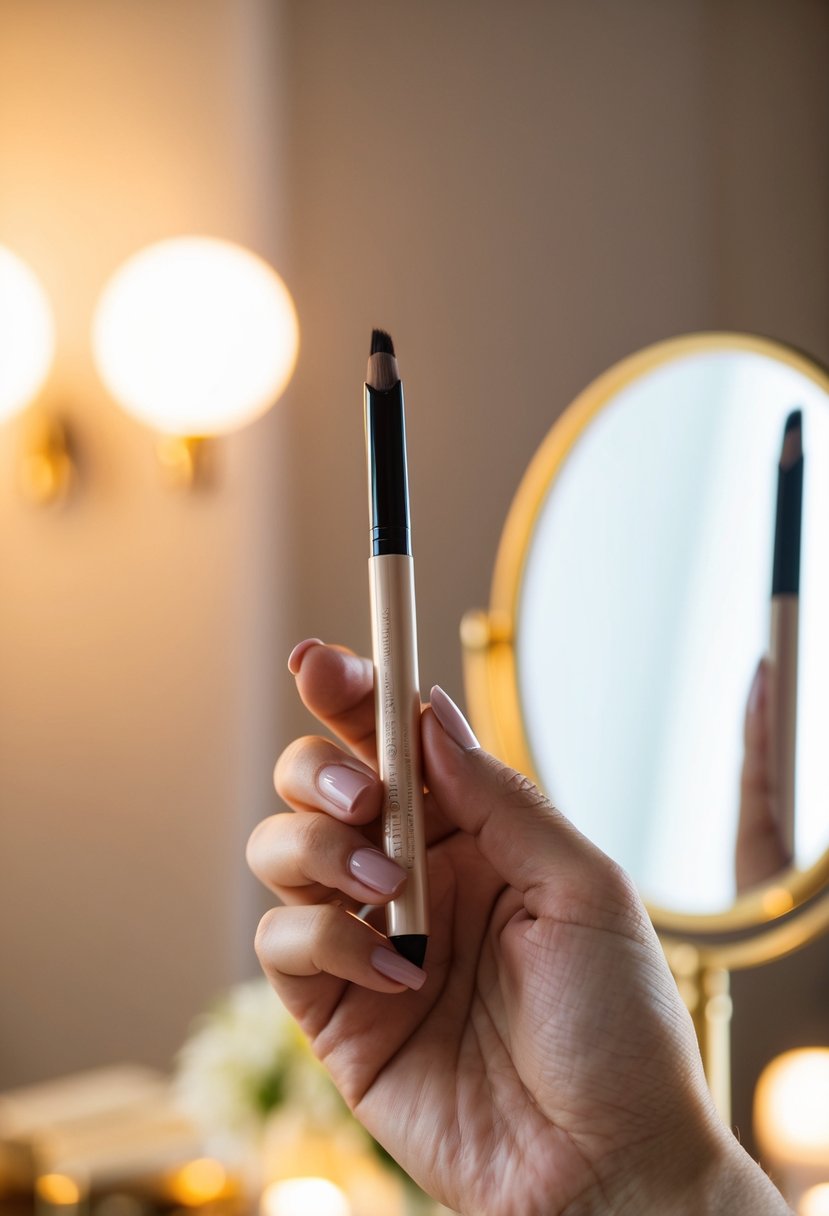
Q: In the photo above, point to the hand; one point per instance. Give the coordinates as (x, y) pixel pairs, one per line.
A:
(544, 1063)
(759, 853)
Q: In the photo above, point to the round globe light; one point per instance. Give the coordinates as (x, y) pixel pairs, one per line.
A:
(815, 1202)
(28, 334)
(791, 1110)
(195, 336)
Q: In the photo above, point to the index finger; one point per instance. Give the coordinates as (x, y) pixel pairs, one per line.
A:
(337, 686)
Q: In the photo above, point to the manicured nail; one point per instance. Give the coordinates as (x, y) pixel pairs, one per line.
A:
(758, 689)
(377, 871)
(343, 785)
(452, 720)
(395, 967)
(298, 653)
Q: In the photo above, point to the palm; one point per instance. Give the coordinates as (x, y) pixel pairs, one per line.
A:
(483, 1062)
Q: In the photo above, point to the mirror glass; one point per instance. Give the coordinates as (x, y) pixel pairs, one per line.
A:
(645, 607)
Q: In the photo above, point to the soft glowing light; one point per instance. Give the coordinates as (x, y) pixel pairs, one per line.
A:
(304, 1197)
(27, 333)
(58, 1189)
(815, 1202)
(195, 336)
(791, 1109)
(198, 1182)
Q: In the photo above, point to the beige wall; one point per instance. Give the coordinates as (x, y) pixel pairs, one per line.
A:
(521, 193)
(137, 628)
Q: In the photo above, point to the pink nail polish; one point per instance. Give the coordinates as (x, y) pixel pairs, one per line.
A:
(343, 785)
(394, 967)
(296, 656)
(375, 870)
(452, 720)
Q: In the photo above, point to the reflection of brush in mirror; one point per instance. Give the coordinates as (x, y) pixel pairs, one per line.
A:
(783, 647)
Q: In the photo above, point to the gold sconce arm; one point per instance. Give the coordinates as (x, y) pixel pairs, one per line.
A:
(47, 472)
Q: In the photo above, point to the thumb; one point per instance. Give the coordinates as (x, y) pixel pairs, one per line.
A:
(529, 843)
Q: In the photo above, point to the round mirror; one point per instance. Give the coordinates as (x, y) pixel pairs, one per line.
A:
(671, 533)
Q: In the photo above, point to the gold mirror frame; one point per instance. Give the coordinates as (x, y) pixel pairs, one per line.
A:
(762, 925)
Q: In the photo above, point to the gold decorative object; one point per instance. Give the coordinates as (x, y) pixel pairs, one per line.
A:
(47, 468)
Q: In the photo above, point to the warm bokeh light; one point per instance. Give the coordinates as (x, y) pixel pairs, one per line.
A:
(58, 1189)
(27, 334)
(815, 1202)
(195, 336)
(791, 1107)
(304, 1197)
(198, 1182)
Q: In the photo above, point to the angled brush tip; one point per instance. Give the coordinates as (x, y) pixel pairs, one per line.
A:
(381, 343)
(792, 440)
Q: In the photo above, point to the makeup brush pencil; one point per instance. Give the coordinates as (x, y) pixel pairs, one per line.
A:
(783, 649)
(394, 647)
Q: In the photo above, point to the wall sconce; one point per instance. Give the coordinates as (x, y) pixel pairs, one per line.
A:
(28, 330)
(791, 1119)
(194, 337)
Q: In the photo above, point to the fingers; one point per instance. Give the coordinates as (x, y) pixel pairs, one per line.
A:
(310, 858)
(314, 774)
(518, 831)
(326, 941)
(337, 686)
(760, 852)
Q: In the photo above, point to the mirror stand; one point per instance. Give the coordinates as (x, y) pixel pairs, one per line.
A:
(706, 991)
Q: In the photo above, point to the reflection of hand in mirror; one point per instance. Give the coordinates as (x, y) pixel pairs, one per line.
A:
(545, 1062)
(760, 852)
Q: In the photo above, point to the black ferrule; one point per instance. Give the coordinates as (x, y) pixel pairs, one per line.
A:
(388, 485)
(785, 579)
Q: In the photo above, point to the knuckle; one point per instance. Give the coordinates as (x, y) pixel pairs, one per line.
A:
(255, 846)
(290, 762)
(264, 933)
(314, 834)
(516, 787)
(621, 895)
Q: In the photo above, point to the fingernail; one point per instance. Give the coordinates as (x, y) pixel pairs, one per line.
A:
(376, 870)
(452, 720)
(298, 653)
(395, 967)
(758, 686)
(343, 785)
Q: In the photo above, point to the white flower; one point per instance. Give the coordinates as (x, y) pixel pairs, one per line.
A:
(245, 1058)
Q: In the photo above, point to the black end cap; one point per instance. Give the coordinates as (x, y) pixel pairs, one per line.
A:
(412, 946)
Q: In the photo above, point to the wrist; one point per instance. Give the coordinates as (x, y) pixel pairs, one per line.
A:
(714, 1177)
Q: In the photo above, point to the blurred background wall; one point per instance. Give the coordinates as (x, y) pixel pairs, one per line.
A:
(521, 193)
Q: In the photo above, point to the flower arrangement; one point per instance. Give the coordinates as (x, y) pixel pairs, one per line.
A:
(247, 1078)
(245, 1059)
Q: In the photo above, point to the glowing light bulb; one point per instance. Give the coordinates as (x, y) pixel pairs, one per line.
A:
(198, 1182)
(815, 1202)
(791, 1109)
(304, 1197)
(58, 1190)
(27, 332)
(195, 336)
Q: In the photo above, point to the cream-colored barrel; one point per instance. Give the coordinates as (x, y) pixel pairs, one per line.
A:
(397, 704)
(782, 718)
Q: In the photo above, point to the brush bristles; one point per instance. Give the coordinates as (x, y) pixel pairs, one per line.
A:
(381, 343)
